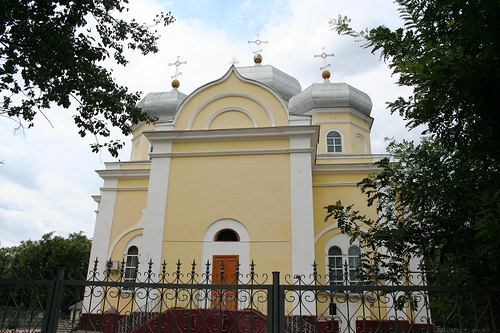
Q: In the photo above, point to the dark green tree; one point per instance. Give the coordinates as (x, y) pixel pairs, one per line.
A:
(438, 197)
(42, 258)
(51, 53)
(431, 205)
(448, 51)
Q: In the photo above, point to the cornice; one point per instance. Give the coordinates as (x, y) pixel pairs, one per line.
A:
(124, 173)
(259, 133)
(345, 168)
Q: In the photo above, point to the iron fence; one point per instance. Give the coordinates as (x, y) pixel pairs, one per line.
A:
(229, 301)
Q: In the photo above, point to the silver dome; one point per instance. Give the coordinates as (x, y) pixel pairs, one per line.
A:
(330, 95)
(285, 85)
(164, 103)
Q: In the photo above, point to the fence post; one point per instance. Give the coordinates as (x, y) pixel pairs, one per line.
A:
(276, 303)
(54, 300)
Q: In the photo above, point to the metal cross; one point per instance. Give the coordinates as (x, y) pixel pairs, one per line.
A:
(324, 55)
(257, 42)
(234, 62)
(177, 64)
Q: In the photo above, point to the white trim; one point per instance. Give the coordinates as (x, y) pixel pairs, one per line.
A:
(358, 135)
(217, 97)
(231, 70)
(324, 231)
(260, 133)
(334, 184)
(237, 152)
(354, 112)
(240, 248)
(212, 117)
(302, 216)
(134, 150)
(102, 235)
(117, 239)
(348, 122)
(345, 168)
(123, 174)
(122, 189)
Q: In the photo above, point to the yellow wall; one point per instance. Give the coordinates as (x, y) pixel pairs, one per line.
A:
(130, 202)
(251, 189)
(349, 124)
(324, 195)
(236, 95)
(140, 145)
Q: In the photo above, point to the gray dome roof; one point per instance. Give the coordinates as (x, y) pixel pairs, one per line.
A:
(285, 85)
(159, 104)
(330, 95)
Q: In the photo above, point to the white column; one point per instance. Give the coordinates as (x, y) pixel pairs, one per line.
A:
(302, 218)
(154, 215)
(153, 221)
(100, 240)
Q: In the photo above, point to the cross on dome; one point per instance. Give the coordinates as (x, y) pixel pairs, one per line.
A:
(234, 62)
(175, 81)
(257, 42)
(177, 64)
(326, 73)
(324, 55)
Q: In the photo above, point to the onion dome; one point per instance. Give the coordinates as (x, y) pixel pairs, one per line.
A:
(162, 104)
(330, 95)
(285, 85)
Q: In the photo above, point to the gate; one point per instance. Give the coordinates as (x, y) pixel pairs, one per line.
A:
(196, 302)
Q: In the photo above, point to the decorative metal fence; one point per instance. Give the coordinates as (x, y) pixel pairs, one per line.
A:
(114, 301)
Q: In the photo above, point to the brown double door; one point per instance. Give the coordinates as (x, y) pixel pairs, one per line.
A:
(225, 298)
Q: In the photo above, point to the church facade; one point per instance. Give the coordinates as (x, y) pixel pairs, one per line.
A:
(240, 170)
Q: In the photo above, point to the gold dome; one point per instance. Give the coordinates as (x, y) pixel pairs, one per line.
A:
(325, 74)
(257, 58)
(175, 83)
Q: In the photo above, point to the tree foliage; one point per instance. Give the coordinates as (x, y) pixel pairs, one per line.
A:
(438, 200)
(51, 53)
(448, 51)
(431, 205)
(42, 258)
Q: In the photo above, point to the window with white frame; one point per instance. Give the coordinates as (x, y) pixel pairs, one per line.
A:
(131, 265)
(335, 270)
(334, 142)
(343, 260)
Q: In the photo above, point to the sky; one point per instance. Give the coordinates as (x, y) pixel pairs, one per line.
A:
(48, 176)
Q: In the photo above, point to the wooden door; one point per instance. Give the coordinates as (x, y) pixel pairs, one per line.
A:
(225, 298)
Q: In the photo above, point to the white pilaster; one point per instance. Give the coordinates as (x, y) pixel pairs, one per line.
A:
(302, 218)
(100, 239)
(154, 215)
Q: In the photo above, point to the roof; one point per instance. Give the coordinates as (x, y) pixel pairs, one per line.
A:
(330, 95)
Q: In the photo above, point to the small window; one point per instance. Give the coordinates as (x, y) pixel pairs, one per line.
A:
(334, 142)
(227, 235)
(335, 265)
(131, 265)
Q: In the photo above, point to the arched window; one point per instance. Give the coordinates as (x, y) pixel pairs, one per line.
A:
(227, 235)
(343, 260)
(354, 255)
(335, 264)
(131, 265)
(334, 142)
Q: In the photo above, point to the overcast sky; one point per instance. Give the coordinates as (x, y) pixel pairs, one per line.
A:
(47, 176)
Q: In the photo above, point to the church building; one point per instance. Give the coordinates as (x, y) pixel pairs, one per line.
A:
(239, 170)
